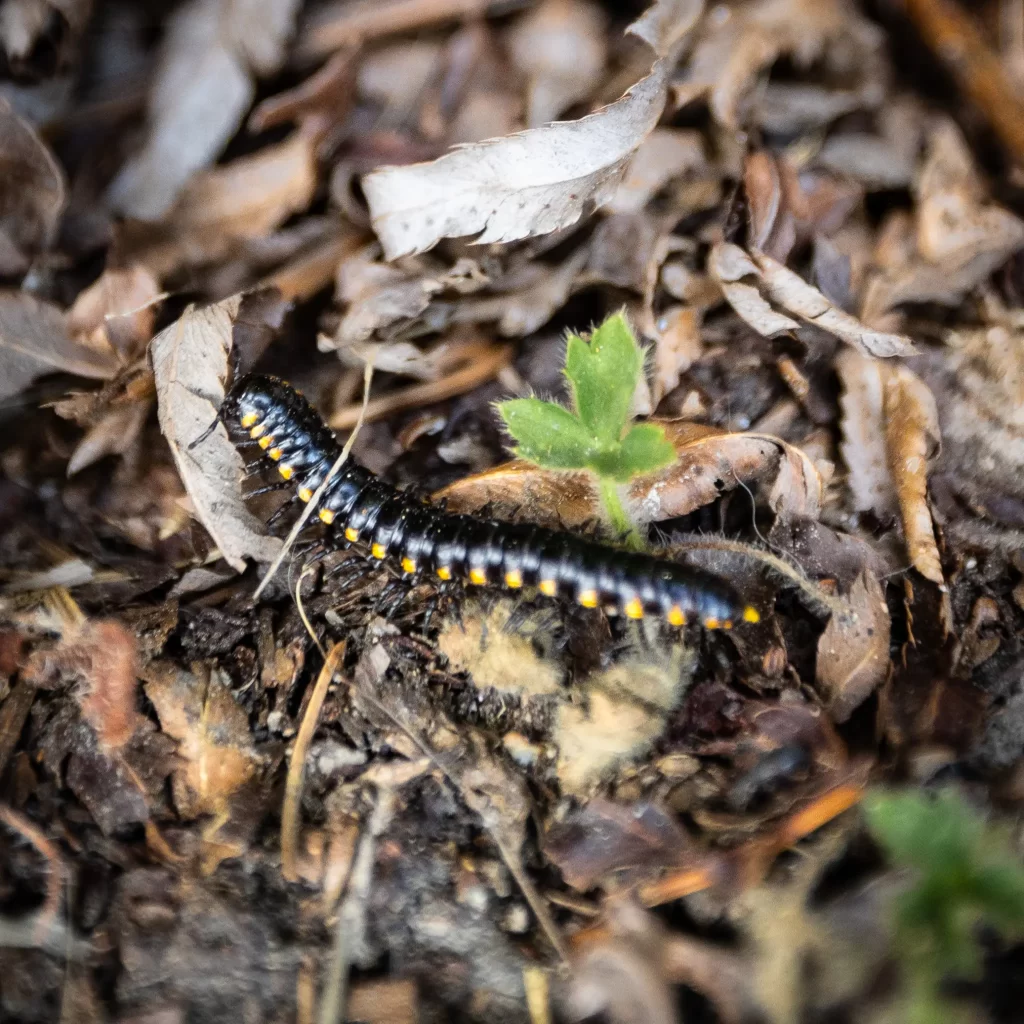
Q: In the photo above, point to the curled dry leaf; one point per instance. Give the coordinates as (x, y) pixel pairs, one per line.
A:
(853, 651)
(34, 340)
(666, 23)
(202, 89)
(740, 42)
(190, 363)
(526, 184)
(560, 46)
(214, 742)
(665, 154)
(710, 461)
(960, 237)
(891, 431)
(733, 268)
(32, 192)
(117, 311)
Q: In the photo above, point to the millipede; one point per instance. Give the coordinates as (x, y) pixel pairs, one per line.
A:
(358, 508)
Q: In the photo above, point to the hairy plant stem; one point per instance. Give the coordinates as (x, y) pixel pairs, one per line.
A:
(622, 525)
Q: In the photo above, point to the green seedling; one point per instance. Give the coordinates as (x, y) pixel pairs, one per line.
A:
(965, 874)
(597, 434)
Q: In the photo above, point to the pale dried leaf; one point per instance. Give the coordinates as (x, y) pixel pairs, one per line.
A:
(21, 24)
(677, 346)
(663, 155)
(190, 362)
(397, 75)
(730, 265)
(911, 438)
(526, 184)
(666, 23)
(863, 445)
(961, 238)
(34, 341)
(117, 311)
(853, 651)
(115, 433)
(32, 191)
(214, 742)
(560, 46)
(202, 89)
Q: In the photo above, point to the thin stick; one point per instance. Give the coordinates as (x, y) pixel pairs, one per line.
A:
(308, 571)
(300, 523)
(297, 764)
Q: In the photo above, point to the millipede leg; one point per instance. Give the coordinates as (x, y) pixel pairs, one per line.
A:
(267, 489)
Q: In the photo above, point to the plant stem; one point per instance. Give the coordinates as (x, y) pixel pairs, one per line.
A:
(620, 522)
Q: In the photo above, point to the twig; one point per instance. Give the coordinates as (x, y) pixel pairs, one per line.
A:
(349, 934)
(297, 764)
(954, 37)
(313, 502)
(476, 372)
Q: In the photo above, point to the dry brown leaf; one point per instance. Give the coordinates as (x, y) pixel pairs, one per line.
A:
(732, 267)
(666, 23)
(561, 48)
(214, 742)
(531, 183)
(116, 431)
(32, 195)
(961, 238)
(190, 363)
(911, 440)
(853, 651)
(117, 311)
(891, 432)
(735, 46)
(709, 462)
(677, 346)
(665, 154)
(202, 89)
(34, 340)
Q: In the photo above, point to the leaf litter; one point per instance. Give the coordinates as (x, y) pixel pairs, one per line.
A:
(485, 806)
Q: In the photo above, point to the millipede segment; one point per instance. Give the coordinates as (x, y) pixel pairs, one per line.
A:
(423, 539)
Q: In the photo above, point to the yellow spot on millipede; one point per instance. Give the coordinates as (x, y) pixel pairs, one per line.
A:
(549, 588)
(513, 579)
(266, 442)
(751, 614)
(305, 494)
(351, 534)
(250, 419)
(443, 572)
(676, 616)
(326, 516)
(275, 453)
(711, 622)
(587, 598)
(378, 551)
(727, 624)
(408, 565)
(285, 470)
(478, 576)
(634, 608)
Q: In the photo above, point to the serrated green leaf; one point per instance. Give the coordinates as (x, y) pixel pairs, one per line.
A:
(603, 375)
(547, 434)
(644, 449)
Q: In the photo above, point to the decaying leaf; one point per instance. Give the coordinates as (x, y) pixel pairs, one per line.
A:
(117, 311)
(665, 154)
(891, 430)
(215, 745)
(203, 88)
(709, 462)
(734, 269)
(34, 340)
(853, 651)
(32, 194)
(190, 363)
(527, 184)
(624, 711)
(960, 237)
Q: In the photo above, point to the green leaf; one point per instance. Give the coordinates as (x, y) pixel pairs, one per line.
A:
(603, 375)
(644, 449)
(547, 434)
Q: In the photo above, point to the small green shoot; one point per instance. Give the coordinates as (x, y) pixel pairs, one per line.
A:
(597, 434)
(966, 873)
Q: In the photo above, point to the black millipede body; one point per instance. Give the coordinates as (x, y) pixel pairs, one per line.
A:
(424, 538)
